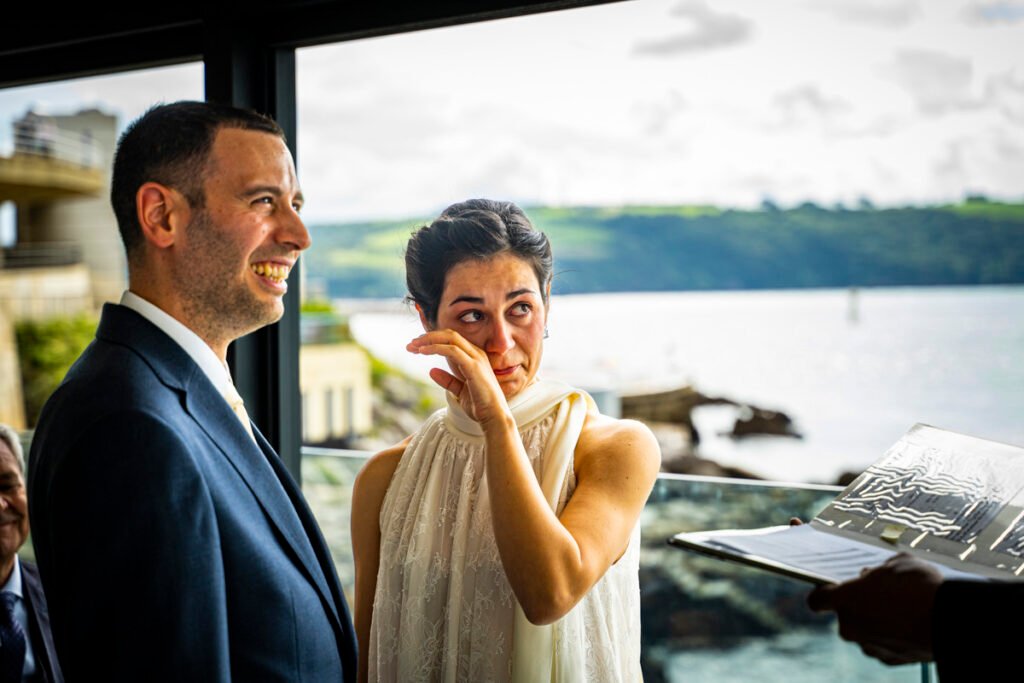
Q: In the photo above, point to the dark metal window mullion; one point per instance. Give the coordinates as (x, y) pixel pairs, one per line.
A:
(243, 70)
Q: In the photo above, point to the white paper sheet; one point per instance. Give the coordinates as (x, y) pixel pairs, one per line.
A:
(817, 552)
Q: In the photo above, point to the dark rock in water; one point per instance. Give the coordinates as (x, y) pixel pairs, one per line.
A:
(674, 407)
(693, 464)
(759, 421)
(665, 410)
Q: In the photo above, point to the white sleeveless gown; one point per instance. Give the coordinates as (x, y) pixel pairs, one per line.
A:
(443, 609)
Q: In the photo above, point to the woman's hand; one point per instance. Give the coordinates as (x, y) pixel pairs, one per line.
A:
(473, 382)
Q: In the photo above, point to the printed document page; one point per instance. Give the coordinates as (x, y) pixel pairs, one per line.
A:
(821, 556)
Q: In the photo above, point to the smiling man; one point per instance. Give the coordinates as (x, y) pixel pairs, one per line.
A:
(26, 645)
(172, 543)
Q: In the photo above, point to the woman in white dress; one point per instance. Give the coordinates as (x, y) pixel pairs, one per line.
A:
(500, 542)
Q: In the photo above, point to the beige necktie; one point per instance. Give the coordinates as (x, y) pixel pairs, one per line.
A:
(234, 399)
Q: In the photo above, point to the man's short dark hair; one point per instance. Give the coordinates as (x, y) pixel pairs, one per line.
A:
(170, 145)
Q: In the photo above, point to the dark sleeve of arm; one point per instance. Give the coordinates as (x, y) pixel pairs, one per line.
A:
(135, 578)
(971, 639)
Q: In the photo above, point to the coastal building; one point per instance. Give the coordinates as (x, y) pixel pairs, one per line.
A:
(63, 260)
(337, 399)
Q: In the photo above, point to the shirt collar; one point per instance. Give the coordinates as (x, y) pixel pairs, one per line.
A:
(14, 580)
(189, 341)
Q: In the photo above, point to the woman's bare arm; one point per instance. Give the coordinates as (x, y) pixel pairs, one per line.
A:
(551, 561)
(367, 496)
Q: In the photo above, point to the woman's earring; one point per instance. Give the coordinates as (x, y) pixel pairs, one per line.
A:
(546, 333)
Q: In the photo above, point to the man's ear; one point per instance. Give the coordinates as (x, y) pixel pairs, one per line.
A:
(427, 327)
(163, 213)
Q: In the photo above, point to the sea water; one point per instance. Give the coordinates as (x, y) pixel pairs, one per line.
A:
(854, 369)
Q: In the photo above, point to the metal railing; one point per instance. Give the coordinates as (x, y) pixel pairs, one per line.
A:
(49, 255)
(46, 141)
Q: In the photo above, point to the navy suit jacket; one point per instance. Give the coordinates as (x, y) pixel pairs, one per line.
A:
(172, 547)
(47, 668)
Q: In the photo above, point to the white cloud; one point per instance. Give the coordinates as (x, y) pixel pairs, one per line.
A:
(1005, 91)
(708, 30)
(885, 13)
(804, 107)
(938, 82)
(807, 105)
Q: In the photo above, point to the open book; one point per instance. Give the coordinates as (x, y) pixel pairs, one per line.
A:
(955, 500)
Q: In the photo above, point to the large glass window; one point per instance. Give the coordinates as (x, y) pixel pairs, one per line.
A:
(783, 234)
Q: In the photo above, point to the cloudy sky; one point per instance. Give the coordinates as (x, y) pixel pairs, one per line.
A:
(650, 101)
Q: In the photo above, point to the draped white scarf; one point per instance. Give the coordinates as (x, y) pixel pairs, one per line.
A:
(533, 647)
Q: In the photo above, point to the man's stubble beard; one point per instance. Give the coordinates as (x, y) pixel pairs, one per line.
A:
(216, 298)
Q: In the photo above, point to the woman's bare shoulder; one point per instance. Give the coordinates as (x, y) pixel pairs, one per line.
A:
(377, 472)
(606, 438)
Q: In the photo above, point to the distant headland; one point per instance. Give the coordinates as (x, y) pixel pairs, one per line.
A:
(685, 248)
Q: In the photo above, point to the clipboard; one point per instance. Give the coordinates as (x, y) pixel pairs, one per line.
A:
(954, 500)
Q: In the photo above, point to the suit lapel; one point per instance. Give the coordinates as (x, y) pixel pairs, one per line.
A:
(308, 521)
(259, 470)
(47, 665)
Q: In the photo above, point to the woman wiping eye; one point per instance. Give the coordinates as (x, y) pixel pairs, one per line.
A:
(501, 540)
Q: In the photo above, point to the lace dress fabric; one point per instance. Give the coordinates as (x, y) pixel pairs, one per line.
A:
(443, 608)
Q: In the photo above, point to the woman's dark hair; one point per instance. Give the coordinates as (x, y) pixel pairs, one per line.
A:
(473, 229)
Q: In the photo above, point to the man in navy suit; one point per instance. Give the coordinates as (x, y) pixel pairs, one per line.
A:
(173, 545)
(26, 649)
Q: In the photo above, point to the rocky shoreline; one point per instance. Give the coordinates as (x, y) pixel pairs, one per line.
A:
(669, 414)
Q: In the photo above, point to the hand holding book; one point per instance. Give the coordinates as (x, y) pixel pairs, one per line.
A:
(887, 610)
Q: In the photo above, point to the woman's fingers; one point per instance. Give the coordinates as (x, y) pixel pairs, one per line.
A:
(467, 361)
(447, 381)
(464, 367)
(471, 379)
(436, 341)
(447, 350)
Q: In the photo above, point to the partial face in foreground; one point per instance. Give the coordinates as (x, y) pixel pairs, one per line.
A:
(13, 506)
(238, 250)
(497, 305)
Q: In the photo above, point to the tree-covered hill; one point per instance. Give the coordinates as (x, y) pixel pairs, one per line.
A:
(666, 248)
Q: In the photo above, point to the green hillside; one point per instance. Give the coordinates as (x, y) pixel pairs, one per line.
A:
(667, 248)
